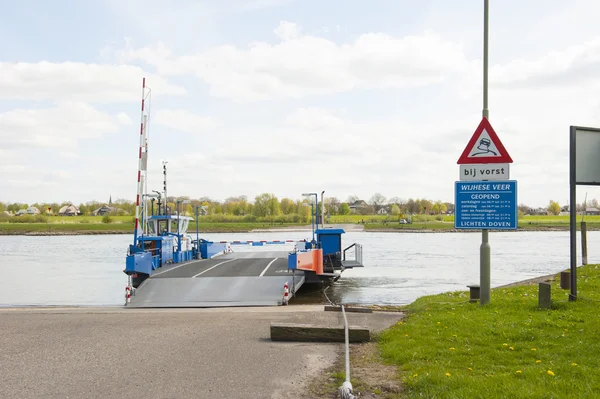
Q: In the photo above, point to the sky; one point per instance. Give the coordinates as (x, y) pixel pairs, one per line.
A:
(289, 96)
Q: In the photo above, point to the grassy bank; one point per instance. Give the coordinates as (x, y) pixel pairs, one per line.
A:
(120, 228)
(224, 224)
(450, 348)
(446, 223)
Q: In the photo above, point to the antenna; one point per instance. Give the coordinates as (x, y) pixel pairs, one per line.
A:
(165, 183)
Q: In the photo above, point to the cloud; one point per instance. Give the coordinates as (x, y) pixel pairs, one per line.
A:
(287, 31)
(302, 65)
(313, 119)
(573, 65)
(62, 126)
(185, 121)
(124, 119)
(76, 81)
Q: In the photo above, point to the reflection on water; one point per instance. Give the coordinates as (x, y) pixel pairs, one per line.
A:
(400, 267)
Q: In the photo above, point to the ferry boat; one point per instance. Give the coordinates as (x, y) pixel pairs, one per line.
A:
(168, 267)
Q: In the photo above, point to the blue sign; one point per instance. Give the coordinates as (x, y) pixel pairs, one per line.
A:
(486, 205)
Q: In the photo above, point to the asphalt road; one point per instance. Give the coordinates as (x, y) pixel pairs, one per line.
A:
(181, 353)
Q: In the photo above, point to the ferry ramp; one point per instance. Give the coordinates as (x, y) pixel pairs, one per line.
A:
(234, 279)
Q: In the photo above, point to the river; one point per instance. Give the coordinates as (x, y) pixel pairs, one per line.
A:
(399, 267)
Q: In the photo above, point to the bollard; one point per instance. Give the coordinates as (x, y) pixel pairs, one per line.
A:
(544, 296)
(286, 293)
(473, 292)
(565, 280)
(128, 294)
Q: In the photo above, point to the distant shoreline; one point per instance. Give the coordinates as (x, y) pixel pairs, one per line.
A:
(66, 232)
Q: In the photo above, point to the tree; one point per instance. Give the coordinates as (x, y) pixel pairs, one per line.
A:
(16, 207)
(425, 206)
(236, 205)
(266, 204)
(443, 207)
(84, 209)
(303, 210)
(553, 207)
(344, 209)
(366, 210)
(412, 206)
(352, 199)
(438, 207)
(395, 209)
(524, 209)
(449, 206)
(377, 201)
(332, 205)
(287, 206)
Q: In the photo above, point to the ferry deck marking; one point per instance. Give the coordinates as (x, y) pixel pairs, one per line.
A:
(267, 268)
(170, 269)
(212, 267)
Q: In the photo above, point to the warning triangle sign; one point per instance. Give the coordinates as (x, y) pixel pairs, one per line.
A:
(484, 147)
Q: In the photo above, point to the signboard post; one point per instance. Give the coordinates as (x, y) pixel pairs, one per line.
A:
(584, 169)
(481, 204)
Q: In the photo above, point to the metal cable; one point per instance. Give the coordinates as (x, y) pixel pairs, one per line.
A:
(326, 297)
(346, 388)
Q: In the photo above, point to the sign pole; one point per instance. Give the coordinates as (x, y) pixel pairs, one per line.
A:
(485, 249)
(573, 214)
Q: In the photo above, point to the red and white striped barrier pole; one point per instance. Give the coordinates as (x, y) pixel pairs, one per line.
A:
(286, 293)
(128, 293)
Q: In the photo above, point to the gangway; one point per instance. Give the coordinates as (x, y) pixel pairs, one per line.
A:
(232, 279)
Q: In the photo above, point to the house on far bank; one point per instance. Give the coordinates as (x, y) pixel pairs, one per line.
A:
(32, 210)
(203, 210)
(356, 205)
(69, 210)
(104, 210)
(592, 211)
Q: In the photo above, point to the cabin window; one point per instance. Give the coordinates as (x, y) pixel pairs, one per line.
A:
(162, 226)
(151, 228)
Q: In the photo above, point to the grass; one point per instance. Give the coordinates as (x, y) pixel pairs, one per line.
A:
(119, 226)
(54, 228)
(450, 348)
(90, 224)
(537, 222)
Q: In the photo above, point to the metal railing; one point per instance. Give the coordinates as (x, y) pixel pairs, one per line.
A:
(358, 252)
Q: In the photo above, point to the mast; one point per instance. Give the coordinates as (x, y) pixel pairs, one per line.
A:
(142, 163)
(145, 177)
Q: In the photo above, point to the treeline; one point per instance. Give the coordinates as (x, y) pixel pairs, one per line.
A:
(267, 205)
(555, 208)
(262, 206)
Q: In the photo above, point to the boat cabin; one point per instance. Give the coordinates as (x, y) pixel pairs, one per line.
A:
(160, 224)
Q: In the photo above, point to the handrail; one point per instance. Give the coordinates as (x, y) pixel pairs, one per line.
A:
(344, 254)
(357, 252)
